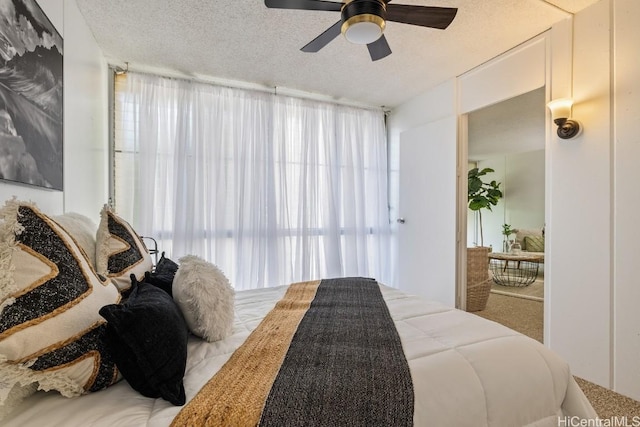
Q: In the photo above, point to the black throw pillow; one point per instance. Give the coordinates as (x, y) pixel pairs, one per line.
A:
(147, 336)
(162, 276)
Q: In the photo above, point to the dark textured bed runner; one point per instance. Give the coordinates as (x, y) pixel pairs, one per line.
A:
(328, 354)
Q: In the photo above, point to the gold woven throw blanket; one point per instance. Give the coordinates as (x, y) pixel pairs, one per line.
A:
(328, 354)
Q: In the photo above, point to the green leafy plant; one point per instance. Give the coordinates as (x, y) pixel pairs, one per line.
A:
(482, 195)
(507, 230)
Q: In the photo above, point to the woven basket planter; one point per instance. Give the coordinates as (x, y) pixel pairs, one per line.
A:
(478, 278)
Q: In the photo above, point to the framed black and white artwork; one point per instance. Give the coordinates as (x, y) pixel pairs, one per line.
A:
(31, 131)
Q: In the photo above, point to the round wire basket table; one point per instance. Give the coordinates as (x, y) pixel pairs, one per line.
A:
(515, 269)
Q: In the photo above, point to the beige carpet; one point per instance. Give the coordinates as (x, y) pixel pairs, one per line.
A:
(523, 315)
(526, 316)
(609, 404)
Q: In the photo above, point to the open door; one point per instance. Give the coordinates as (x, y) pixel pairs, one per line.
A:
(427, 208)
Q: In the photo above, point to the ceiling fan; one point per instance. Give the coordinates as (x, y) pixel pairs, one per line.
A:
(363, 21)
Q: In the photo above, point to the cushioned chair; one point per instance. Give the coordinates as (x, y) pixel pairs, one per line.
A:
(478, 278)
(530, 240)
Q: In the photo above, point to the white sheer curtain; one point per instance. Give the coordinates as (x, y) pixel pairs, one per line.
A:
(272, 189)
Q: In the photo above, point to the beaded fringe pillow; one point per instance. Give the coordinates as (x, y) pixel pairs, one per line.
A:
(83, 230)
(50, 329)
(120, 251)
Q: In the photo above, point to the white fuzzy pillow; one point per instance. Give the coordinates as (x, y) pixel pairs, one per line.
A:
(206, 298)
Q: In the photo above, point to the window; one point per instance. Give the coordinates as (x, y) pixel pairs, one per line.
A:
(272, 189)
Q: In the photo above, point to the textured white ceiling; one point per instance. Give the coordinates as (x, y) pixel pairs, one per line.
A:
(242, 40)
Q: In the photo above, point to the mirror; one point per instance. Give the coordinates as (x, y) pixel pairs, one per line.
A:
(509, 137)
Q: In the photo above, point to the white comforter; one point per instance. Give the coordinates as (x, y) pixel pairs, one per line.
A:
(466, 371)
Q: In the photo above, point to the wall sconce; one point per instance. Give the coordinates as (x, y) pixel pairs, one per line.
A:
(561, 115)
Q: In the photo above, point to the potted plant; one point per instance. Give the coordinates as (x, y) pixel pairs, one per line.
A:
(482, 195)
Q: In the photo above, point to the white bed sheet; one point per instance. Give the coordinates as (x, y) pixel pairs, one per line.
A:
(466, 371)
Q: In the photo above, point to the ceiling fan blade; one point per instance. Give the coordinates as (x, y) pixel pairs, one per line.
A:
(304, 5)
(424, 16)
(323, 39)
(379, 48)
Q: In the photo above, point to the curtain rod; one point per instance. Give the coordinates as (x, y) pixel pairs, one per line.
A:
(239, 84)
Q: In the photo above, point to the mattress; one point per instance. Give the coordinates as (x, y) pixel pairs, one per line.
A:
(466, 371)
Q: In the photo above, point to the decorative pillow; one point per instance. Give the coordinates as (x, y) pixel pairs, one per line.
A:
(205, 297)
(522, 233)
(162, 276)
(534, 243)
(83, 231)
(148, 338)
(50, 329)
(120, 252)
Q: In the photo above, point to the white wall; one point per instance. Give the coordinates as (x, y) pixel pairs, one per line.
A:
(85, 121)
(626, 198)
(86, 135)
(519, 71)
(578, 307)
(430, 106)
(524, 190)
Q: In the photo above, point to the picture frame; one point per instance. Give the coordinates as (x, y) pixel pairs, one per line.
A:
(31, 96)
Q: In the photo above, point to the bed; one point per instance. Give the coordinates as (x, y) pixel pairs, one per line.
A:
(464, 371)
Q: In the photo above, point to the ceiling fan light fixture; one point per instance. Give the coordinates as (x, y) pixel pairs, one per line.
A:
(363, 20)
(363, 29)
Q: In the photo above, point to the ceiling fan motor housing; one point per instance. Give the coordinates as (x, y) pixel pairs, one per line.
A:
(363, 21)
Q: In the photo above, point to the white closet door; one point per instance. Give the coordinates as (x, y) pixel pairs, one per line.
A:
(427, 229)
